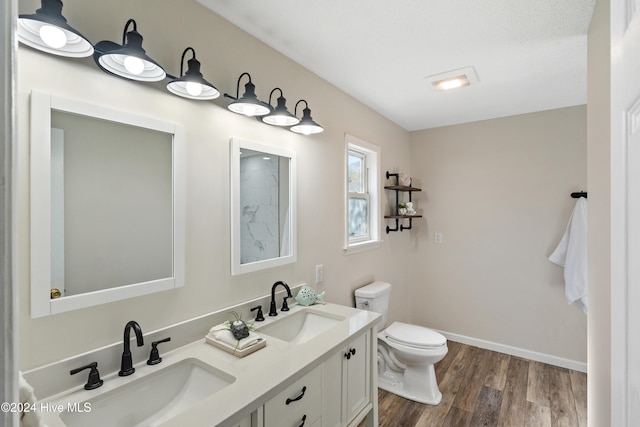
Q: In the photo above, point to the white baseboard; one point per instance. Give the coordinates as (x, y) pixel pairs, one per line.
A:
(519, 352)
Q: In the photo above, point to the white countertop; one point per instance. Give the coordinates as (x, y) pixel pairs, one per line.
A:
(258, 376)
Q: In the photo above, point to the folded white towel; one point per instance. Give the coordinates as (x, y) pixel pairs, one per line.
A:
(223, 334)
(571, 254)
(27, 395)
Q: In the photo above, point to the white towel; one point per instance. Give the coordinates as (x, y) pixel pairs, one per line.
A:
(26, 395)
(571, 254)
(223, 334)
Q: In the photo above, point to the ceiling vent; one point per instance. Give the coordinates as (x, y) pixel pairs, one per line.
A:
(453, 79)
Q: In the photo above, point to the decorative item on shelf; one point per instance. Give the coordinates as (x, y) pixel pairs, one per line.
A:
(402, 209)
(308, 296)
(404, 180)
(410, 210)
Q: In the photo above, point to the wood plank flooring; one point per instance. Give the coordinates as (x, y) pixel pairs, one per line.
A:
(485, 388)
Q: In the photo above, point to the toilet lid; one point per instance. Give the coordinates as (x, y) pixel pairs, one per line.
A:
(414, 336)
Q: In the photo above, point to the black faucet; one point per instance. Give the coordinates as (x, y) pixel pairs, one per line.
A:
(272, 308)
(126, 367)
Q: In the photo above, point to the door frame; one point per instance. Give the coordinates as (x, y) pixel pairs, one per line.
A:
(8, 294)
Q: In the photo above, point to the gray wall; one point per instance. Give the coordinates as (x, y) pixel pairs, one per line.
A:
(499, 192)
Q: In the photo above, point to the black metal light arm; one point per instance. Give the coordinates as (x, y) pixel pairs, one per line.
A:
(226, 95)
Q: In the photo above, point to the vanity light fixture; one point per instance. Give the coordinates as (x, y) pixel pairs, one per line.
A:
(128, 60)
(280, 116)
(306, 126)
(192, 85)
(47, 30)
(249, 104)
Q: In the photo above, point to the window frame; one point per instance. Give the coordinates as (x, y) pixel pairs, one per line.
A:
(371, 176)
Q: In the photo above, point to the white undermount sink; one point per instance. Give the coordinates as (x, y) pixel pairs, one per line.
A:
(152, 399)
(301, 326)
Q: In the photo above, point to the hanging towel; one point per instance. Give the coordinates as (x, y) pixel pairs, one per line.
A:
(27, 397)
(571, 254)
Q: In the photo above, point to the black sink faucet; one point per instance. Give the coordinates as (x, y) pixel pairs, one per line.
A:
(126, 367)
(272, 308)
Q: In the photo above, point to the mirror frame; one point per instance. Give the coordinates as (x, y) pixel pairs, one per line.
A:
(236, 144)
(40, 175)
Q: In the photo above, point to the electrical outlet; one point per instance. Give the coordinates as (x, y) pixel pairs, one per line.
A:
(437, 237)
(319, 273)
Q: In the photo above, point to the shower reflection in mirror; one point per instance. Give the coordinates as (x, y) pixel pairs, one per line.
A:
(263, 206)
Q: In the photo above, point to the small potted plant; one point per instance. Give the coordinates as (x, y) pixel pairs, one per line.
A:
(238, 327)
(402, 209)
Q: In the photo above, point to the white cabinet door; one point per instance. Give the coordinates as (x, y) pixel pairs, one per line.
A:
(332, 376)
(357, 378)
(346, 383)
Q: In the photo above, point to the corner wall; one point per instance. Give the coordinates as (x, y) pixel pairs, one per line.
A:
(499, 192)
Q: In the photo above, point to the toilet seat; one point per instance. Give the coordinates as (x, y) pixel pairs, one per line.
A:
(414, 336)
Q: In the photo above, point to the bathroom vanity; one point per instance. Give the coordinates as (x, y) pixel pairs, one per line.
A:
(317, 369)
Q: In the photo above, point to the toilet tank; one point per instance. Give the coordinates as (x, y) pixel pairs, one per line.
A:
(374, 297)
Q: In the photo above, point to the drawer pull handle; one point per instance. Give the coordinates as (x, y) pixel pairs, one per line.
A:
(304, 417)
(295, 399)
(350, 353)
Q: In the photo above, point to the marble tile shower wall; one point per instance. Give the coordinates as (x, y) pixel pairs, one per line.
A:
(259, 231)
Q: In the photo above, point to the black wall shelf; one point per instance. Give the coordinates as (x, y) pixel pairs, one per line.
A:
(396, 216)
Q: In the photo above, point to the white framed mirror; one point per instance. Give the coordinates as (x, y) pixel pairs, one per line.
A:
(107, 205)
(263, 206)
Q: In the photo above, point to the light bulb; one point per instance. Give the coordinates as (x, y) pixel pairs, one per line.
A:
(281, 120)
(134, 65)
(249, 110)
(193, 88)
(53, 36)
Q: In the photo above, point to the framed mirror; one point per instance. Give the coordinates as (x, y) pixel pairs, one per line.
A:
(107, 205)
(263, 206)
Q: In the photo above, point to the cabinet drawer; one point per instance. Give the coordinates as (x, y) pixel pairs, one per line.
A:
(299, 399)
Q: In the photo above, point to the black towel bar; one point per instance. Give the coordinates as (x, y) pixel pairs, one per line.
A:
(579, 194)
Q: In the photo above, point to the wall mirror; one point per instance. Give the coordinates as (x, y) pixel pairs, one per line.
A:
(263, 206)
(107, 205)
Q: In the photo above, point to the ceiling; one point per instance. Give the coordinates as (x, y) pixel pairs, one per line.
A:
(528, 55)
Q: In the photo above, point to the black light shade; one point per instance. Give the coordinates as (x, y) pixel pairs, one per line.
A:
(306, 126)
(192, 85)
(128, 60)
(280, 116)
(47, 30)
(249, 104)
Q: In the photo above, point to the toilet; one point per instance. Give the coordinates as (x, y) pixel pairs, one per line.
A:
(406, 353)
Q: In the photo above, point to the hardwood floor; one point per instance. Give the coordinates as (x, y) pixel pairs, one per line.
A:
(485, 388)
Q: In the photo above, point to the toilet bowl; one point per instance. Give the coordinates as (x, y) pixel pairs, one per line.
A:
(406, 353)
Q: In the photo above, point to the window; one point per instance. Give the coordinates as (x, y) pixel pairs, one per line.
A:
(362, 207)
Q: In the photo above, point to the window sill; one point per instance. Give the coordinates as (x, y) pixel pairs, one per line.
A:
(362, 246)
